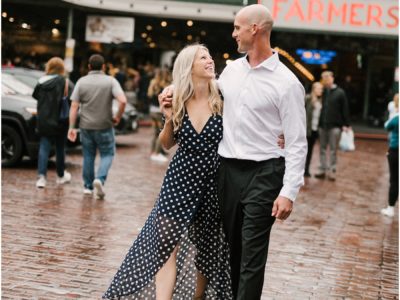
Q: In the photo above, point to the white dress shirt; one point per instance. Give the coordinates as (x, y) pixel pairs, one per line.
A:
(261, 103)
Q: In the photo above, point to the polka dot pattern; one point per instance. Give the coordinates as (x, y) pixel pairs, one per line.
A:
(186, 215)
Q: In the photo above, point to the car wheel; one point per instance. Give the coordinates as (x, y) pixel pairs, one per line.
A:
(11, 146)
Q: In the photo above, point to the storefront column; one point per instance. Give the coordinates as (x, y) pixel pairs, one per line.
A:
(367, 89)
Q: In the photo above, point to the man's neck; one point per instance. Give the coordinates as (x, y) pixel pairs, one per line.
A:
(259, 54)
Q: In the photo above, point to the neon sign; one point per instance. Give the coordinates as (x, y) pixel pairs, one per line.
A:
(316, 57)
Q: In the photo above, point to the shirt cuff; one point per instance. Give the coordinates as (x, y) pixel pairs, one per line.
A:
(289, 192)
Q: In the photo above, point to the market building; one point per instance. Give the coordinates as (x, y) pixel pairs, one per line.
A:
(356, 39)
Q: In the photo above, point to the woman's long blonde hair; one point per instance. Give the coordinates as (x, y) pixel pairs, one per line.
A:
(183, 85)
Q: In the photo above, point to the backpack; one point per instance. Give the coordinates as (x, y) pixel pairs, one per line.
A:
(50, 96)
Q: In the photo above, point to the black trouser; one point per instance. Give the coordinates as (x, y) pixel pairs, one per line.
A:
(393, 158)
(247, 191)
(310, 144)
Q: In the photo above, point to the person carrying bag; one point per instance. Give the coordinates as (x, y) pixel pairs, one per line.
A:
(52, 120)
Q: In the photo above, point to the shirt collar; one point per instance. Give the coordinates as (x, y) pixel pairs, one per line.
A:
(270, 63)
(96, 72)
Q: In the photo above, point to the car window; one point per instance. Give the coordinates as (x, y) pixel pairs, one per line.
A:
(13, 83)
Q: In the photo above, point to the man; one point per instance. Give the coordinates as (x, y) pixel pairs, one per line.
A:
(94, 94)
(258, 180)
(333, 119)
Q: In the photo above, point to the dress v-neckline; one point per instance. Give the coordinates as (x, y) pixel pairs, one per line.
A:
(204, 126)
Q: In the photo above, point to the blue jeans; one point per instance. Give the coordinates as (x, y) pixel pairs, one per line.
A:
(104, 141)
(44, 152)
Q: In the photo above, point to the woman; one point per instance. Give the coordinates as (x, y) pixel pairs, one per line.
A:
(392, 125)
(313, 111)
(49, 92)
(181, 250)
(157, 84)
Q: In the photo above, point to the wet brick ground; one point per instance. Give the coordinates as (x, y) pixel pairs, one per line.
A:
(58, 244)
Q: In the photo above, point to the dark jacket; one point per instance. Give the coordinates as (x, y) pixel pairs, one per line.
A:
(49, 92)
(335, 110)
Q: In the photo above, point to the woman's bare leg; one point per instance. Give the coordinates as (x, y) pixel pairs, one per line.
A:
(166, 277)
(200, 286)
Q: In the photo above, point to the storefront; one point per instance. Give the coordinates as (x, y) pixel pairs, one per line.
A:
(357, 40)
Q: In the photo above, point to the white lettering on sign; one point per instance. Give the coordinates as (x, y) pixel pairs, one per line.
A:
(362, 16)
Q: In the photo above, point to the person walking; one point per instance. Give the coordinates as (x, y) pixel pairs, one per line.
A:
(94, 94)
(157, 84)
(258, 181)
(313, 111)
(333, 119)
(181, 251)
(52, 129)
(392, 125)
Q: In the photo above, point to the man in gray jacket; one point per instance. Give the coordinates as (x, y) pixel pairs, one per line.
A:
(94, 94)
(333, 119)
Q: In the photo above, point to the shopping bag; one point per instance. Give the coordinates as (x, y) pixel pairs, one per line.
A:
(346, 142)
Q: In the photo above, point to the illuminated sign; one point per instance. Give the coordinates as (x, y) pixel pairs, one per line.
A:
(316, 57)
(357, 16)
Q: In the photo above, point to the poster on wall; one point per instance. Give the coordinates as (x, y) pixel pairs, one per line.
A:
(108, 30)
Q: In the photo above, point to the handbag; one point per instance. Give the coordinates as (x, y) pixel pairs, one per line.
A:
(64, 105)
(346, 142)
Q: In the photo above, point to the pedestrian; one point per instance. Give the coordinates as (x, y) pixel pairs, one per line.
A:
(181, 251)
(94, 94)
(313, 111)
(157, 84)
(392, 110)
(392, 125)
(333, 119)
(258, 181)
(52, 128)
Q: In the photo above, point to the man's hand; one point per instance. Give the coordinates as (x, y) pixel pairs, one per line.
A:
(72, 134)
(345, 128)
(282, 208)
(116, 120)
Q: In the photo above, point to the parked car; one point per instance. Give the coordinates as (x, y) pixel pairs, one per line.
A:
(129, 120)
(18, 122)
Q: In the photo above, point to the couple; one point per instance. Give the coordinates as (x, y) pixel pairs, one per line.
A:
(181, 252)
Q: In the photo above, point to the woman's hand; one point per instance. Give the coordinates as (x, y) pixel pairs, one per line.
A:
(165, 101)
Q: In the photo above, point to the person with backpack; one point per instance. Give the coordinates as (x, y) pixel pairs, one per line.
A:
(52, 93)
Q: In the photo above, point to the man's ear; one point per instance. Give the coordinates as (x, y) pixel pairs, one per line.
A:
(254, 28)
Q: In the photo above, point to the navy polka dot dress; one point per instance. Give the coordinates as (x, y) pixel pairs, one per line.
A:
(186, 215)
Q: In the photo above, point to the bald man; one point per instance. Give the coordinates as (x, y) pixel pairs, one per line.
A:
(258, 181)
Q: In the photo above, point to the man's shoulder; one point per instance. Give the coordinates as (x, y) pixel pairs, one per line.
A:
(287, 74)
(232, 67)
(98, 78)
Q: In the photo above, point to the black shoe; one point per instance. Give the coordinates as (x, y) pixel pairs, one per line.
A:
(320, 175)
(307, 174)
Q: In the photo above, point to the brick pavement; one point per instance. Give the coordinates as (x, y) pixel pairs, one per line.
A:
(57, 244)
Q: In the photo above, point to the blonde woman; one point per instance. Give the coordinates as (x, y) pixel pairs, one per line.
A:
(313, 112)
(52, 130)
(181, 251)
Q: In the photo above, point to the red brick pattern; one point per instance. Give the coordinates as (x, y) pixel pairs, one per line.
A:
(58, 244)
